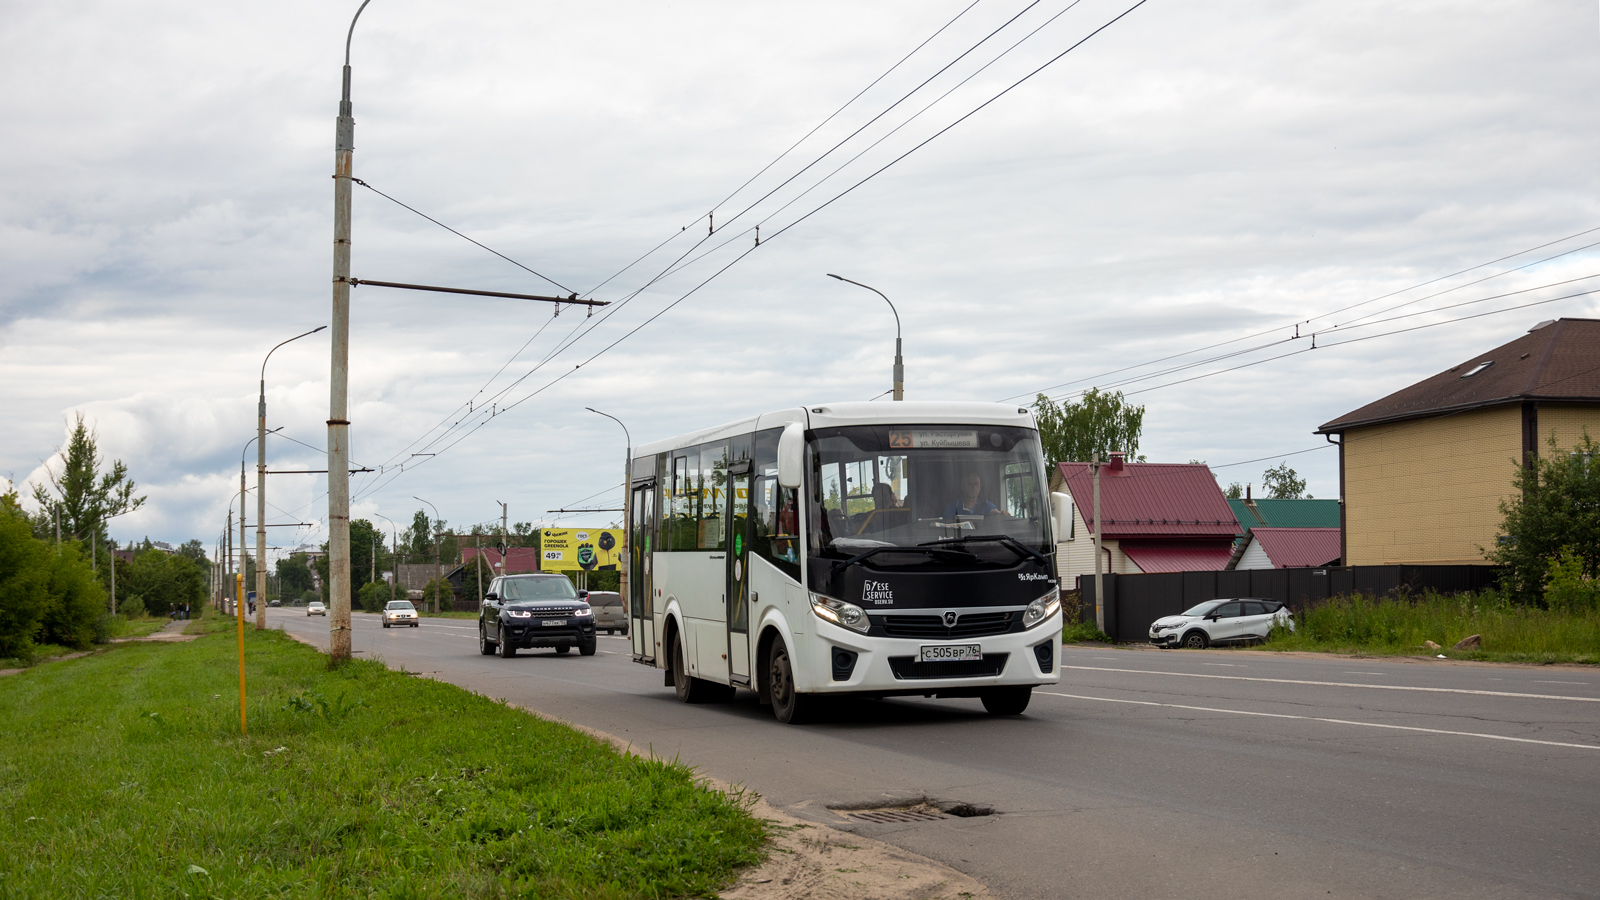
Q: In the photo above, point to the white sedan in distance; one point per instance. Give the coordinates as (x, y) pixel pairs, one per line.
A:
(399, 612)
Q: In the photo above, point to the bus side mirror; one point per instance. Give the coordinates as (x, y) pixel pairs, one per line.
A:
(1061, 512)
(791, 453)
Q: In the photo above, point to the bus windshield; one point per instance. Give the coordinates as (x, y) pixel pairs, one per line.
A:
(876, 487)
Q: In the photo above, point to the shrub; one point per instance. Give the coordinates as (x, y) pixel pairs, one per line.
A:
(1551, 514)
(1569, 588)
(77, 601)
(24, 584)
(374, 595)
(132, 607)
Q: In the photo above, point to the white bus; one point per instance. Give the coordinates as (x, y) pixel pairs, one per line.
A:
(875, 549)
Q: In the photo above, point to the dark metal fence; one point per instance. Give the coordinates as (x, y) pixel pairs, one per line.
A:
(1134, 601)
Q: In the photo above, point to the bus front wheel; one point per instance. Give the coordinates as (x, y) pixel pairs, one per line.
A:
(789, 706)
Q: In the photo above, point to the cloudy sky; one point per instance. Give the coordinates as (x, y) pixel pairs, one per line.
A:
(1196, 173)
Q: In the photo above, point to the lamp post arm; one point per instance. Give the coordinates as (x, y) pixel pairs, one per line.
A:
(899, 361)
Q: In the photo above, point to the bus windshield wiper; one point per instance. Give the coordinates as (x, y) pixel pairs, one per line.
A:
(895, 548)
(1007, 540)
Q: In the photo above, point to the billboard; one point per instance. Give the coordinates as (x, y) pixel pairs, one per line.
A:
(575, 549)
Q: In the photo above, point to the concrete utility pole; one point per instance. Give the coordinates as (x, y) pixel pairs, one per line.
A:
(1099, 583)
(227, 556)
(344, 145)
(627, 499)
(899, 363)
(505, 540)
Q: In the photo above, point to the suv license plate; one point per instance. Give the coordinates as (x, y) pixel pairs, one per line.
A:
(549, 622)
(946, 652)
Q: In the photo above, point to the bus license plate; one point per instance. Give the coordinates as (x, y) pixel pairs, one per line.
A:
(947, 652)
(549, 622)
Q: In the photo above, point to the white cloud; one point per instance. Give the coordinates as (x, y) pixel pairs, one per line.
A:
(1191, 175)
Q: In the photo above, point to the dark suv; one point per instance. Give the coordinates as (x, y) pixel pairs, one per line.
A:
(538, 610)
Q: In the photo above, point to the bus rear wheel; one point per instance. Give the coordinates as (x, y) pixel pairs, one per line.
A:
(689, 688)
(788, 706)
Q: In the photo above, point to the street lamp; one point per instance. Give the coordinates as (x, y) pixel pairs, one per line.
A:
(344, 143)
(899, 364)
(394, 552)
(438, 551)
(261, 485)
(627, 500)
(261, 547)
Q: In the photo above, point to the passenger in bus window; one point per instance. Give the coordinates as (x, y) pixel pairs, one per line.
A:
(971, 502)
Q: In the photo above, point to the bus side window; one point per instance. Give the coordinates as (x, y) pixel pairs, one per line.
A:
(777, 509)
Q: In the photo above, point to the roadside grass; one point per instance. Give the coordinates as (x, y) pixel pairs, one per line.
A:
(140, 626)
(1398, 627)
(123, 774)
(452, 614)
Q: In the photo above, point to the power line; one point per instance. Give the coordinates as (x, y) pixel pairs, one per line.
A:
(790, 225)
(1257, 334)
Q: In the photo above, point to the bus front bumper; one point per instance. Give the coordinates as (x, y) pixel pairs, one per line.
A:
(885, 666)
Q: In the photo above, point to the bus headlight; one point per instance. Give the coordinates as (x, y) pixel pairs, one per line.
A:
(1041, 609)
(840, 613)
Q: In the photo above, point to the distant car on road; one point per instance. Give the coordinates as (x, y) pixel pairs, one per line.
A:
(1242, 621)
(316, 608)
(274, 602)
(399, 612)
(609, 612)
(537, 610)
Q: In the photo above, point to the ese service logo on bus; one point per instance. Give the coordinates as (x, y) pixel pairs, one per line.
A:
(877, 592)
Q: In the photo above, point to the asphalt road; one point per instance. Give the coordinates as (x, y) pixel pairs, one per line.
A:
(1188, 774)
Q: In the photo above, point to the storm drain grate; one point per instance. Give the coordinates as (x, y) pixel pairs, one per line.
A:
(895, 815)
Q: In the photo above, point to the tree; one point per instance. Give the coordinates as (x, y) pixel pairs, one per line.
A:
(47, 593)
(294, 576)
(1283, 483)
(1234, 491)
(195, 552)
(83, 496)
(421, 537)
(162, 581)
(1098, 423)
(1553, 516)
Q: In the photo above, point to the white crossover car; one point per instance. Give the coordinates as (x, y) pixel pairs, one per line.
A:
(1239, 621)
(399, 612)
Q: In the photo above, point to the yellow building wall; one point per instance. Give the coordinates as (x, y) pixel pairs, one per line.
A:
(1567, 423)
(1429, 491)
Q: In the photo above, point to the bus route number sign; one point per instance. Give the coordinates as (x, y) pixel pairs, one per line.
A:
(952, 652)
(943, 439)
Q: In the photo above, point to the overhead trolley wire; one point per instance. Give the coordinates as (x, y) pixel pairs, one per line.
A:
(830, 201)
(1330, 313)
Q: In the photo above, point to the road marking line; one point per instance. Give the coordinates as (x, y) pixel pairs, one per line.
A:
(1241, 712)
(1366, 673)
(1224, 665)
(1584, 683)
(1354, 684)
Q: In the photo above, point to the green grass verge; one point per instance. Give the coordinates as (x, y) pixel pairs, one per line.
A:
(1510, 633)
(123, 774)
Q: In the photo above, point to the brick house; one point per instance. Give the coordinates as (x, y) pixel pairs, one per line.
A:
(1423, 471)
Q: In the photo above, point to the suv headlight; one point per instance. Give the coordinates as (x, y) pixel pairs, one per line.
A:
(518, 613)
(583, 613)
(1042, 608)
(840, 613)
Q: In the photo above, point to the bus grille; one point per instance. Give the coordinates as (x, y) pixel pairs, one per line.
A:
(968, 626)
(908, 667)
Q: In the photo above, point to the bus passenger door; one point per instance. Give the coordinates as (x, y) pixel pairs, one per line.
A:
(737, 596)
(641, 595)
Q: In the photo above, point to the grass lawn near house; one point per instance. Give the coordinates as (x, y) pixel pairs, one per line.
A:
(1398, 627)
(124, 774)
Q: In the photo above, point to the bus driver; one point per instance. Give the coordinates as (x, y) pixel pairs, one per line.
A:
(970, 503)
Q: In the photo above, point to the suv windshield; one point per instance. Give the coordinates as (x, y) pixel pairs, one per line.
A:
(546, 587)
(400, 604)
(878, 487)
(1202, 609)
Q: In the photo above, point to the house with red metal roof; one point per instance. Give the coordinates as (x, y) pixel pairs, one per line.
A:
(1265, 547)
(516, 561)
(1154, 517)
